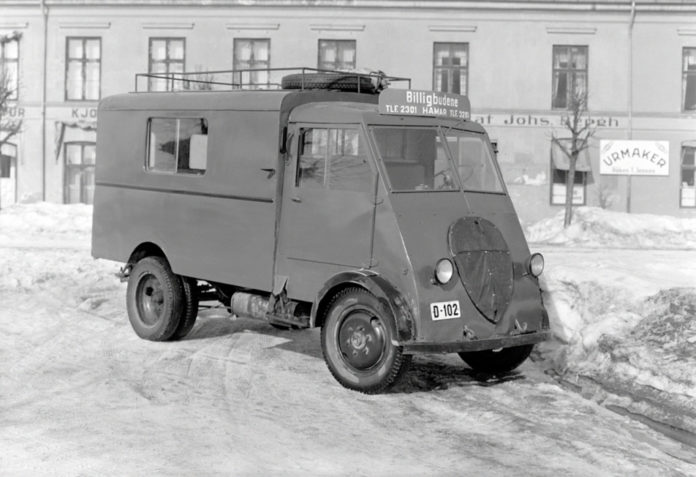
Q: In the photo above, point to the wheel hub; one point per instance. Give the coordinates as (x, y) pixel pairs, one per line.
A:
(361, 340)
(151, 299)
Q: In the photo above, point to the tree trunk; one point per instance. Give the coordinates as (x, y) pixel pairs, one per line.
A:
(570, 185)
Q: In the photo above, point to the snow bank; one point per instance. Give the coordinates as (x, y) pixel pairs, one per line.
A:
(34, 224)
(595, 227)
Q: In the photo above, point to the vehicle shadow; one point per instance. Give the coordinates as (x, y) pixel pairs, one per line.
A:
(440, 372)
(427, 372)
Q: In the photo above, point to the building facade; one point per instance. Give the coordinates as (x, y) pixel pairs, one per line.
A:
(518, 61)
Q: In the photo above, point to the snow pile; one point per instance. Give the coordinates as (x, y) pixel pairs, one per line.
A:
(34, 224)
(595, 227)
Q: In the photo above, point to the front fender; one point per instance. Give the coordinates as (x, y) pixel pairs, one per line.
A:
(379, 287)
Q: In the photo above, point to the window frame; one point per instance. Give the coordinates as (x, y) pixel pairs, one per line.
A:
(83, 66)
(326, 181)
(252, 61)
(176, 171)
(169, 82)
(686, 75)
(450, 70)
(4, 60)
(82, 167)
(682, 167)
(571, 72)
(338, 43)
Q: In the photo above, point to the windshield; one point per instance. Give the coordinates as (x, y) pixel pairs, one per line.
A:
(474, 161)
(417, 159)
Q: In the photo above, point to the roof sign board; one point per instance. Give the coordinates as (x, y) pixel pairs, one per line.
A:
(634, 158)
(424, 103)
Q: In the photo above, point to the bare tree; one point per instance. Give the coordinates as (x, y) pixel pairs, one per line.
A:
(578, 125)
(9, 126)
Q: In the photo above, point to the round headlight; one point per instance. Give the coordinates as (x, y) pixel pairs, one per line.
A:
(536, 264)
(444, 270)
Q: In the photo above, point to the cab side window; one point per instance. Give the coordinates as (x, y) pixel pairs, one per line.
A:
(333, 158)
(177, 145)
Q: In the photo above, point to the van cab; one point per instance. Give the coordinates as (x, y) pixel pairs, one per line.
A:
(379, 215)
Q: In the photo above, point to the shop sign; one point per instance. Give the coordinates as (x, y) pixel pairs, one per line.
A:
(634, 158)
(424, 103)
(83, 114)
(542, 120)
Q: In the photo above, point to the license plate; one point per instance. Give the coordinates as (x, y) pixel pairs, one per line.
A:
(445, 310)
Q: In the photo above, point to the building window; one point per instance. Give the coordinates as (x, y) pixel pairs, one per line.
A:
(252, 54)
(336, 55)
(689, 79)
(8, 174)
(560, 163)
(178, 146)
(83, 69)
(9, 65)
(688, 170)
(450, 67)
(167, 57)
(79, 172)
(569, 74)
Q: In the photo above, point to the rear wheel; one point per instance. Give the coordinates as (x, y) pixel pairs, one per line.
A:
(357, 340)
(155, 299)
(497, 361)
(189, 286)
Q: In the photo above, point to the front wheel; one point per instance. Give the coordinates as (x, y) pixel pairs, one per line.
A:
(357, 340)
(497, 361)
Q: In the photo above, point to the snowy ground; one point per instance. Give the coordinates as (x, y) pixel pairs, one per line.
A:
(80, 394)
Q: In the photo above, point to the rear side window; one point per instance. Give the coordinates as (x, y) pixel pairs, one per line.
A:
(335, 159)
(177, 145)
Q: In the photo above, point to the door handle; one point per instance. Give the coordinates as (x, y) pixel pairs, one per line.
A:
(296, 199)
(270, 170)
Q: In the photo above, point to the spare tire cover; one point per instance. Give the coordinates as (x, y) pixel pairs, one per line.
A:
(484, 264)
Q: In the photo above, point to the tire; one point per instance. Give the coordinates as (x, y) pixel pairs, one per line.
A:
(495, 362)
(190, 288)
(355, 320)
(334, 81)
(155, 299)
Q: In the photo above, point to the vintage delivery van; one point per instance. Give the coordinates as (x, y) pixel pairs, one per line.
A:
(379, 216)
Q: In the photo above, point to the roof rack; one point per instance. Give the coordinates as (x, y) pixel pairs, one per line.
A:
(301, 78)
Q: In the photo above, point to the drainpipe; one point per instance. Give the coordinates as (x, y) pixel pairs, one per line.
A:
(630, 94)
(44, 14)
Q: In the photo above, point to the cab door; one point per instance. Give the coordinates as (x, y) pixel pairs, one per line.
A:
(327, 209)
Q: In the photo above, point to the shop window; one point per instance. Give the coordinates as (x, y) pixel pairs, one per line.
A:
(560, 163)
(252, 54)
(689, 79)
(450, 67)
(83, 69)
(569, 74)
(167, 57)
(688, 170)
(9, 66)
(333, 159)
(178, 146)
(79, 172)
(336, 55)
